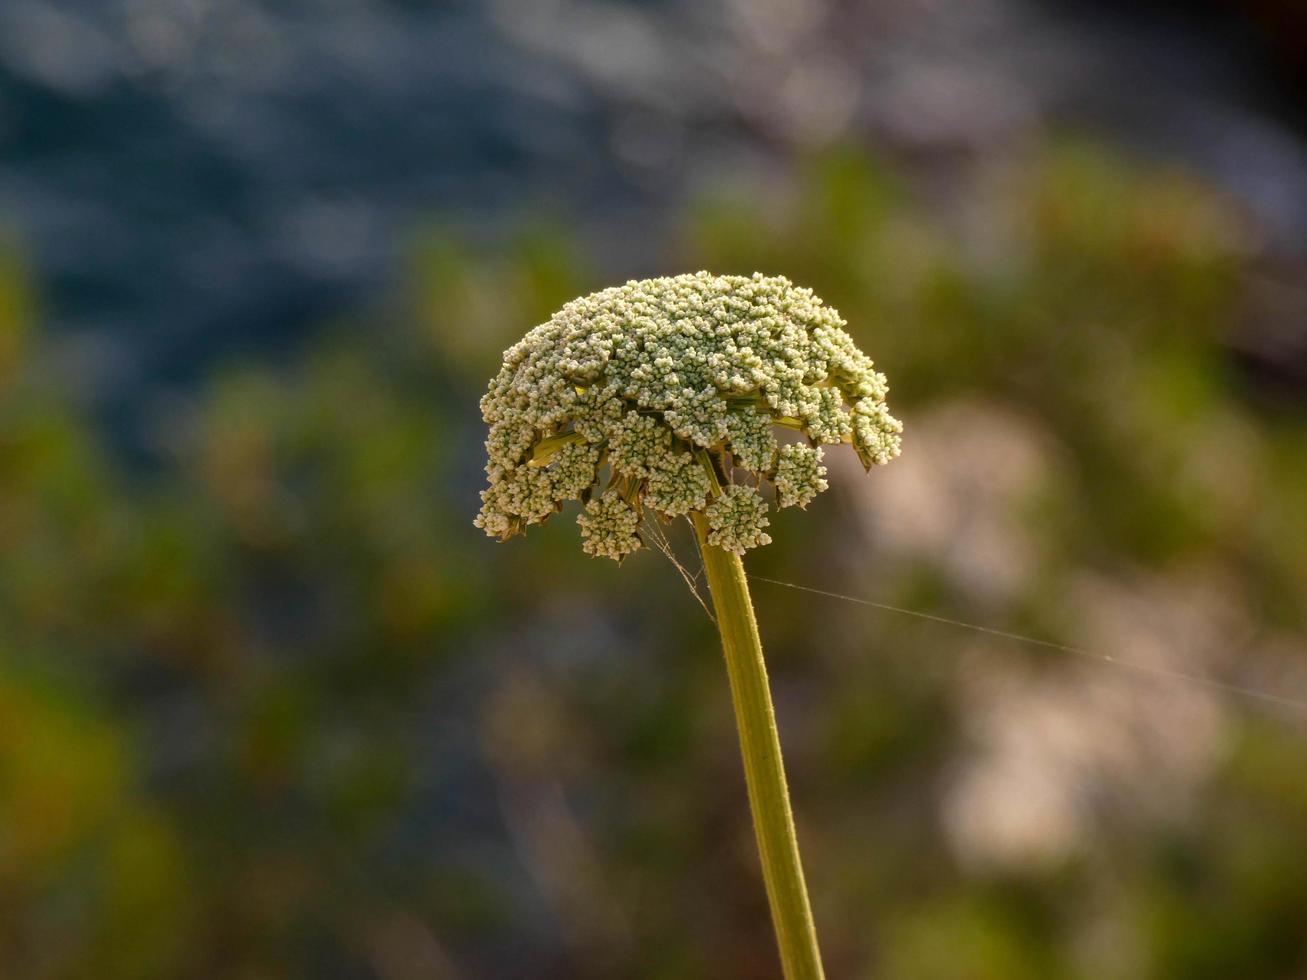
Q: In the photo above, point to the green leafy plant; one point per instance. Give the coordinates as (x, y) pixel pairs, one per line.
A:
(662, 398)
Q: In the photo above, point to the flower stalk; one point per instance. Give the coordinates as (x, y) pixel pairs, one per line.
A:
(764, 772)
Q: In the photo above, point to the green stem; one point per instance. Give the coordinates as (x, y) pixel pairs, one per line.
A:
(764, 774)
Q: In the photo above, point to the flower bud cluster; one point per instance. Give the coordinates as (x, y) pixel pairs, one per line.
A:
(736, 520)
(682, 484)
(799, 475)
(608, 528)
(662, 387)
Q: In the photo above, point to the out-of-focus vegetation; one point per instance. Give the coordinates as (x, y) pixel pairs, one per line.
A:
(271, 706)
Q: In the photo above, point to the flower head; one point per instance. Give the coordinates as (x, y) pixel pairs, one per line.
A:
(608, 528)
(799, 475)
(664, 387)
(736, 520)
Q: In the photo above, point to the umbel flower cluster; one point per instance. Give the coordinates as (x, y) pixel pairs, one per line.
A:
(665, 396)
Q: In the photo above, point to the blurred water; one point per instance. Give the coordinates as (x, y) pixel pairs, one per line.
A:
(196, 179)
(195, 176)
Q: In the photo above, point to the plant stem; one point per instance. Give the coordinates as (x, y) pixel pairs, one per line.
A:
(764, 774)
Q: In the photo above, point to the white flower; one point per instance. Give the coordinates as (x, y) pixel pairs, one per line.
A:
(875, 432)
(661, 382)
(608, 528)
(572, 470)
(637, 443)
(737, 519)
(799, 475)
(681, 485)
(753, 445)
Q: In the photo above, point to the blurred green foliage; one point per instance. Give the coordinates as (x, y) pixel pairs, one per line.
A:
(271, 706)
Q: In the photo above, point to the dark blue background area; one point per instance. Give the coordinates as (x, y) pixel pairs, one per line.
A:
(194, 183)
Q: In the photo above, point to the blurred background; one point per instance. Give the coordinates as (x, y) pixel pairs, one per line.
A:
(271, 707)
